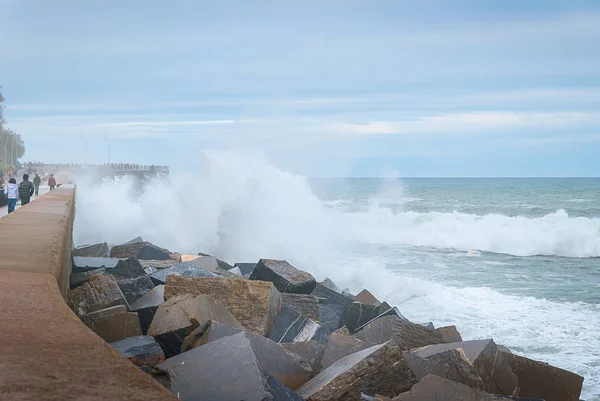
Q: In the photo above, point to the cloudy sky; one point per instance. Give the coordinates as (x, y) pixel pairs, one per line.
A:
(322, 88)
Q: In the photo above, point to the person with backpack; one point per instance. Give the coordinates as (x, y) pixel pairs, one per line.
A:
(12, 193)
(36, 183)
(26, 190)
(52, 182)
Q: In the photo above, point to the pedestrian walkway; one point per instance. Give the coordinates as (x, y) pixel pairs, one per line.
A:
(43, 190)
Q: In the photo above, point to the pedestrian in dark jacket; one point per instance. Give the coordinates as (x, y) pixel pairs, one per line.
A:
(36, 183)
(52, 182)
(26, 190)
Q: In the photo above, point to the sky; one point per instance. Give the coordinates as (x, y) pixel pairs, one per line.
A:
(320, 88)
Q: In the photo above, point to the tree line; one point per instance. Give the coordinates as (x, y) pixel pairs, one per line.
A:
(12, 146)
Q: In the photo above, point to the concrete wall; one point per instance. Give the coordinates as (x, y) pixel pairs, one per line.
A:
(46, 353)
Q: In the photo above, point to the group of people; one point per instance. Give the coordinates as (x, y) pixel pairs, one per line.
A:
(25, 190)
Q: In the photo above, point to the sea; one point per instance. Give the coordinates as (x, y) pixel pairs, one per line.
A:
(513, 259)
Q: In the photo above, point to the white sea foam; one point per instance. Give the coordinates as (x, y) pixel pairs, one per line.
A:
(241, 209)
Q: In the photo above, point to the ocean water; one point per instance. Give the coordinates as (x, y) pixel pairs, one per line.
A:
(517, 260)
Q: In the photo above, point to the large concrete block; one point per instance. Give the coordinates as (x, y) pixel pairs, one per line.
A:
(452, 365)
(401, 331)
(113, 324)
(379, 369)
(185, 269)
(134, 288)
(306, 305)
(147, 306)
(255, 304)
(100, 292)
(141, 350)
(140, 250)
(226, 370)
(332, 305)
(435, 388)
(365, 297)
(449, 334)
(128, 268)
(179, 316)
(310, 352)
(541, 380)
(331, 285)
(245, 268)
(358, 315)
(491, 365)
(96, 250)
(290, 327)
(79, 279)
(341, 345)
(83, 263)
(285, 276)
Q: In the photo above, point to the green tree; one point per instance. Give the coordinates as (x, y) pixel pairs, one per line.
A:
(12, 146)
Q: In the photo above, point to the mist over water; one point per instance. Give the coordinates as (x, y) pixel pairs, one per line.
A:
(497, 259)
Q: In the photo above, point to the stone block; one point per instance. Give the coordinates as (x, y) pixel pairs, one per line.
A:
(79, 279)
(136, 240)
(379, 369)
(541, 380)
(147, 306)
(366, 298)
(179, 316)
(331, 306)
(428, 325)
(152, 266)
(100, 292)
(128, 268)
(211, 331)
(358, 315)
(221, 264)
(310, 352)
(449, 334)
(341, 345)
(491, 365)
(255, 304)
(83, 263)
(435, 388)
(398, 329)
(96, 250)
(141, 350)
(134, 288)
(290, 327)
(245, 268)
(452, 365)
(285, 276)
(185, 269)
(113, 324)
(226, 370)
(139, 250)
(306, 305)
(187, 258)
(328, 283)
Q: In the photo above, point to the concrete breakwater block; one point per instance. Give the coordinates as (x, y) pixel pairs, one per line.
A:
(449, 334)
(285, 276)
(134, 288)
(340, 345)
(147, 306)
(79, 279)
(491, 365)
(401, 331)
(439, 389)
(255, 304)
(541, 380)
(328, 283)
(185, 269)
(141, 350)
(452, 364)
(84, 263)
(179, 316)
(332, 305)
(100, 292)
(366, 298)
(379, 369)
(310, 352)
(290, 327)
(246, 269)
(128, 268)
(357, 315)
(226, 370)
(113, 324)
(97, 250)
(221, 264)
(140, 250)
(306, 305)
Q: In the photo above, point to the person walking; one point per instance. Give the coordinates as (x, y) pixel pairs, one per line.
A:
(26, 190)
(52, 182)
(36, 183)
(12, 193)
